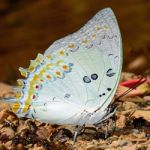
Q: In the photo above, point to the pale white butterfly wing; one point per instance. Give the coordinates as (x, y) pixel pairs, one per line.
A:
(101, 32)
(47, 102)
(81, 76)
(60, 109)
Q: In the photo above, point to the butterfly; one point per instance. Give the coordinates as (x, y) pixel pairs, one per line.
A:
(76, 78)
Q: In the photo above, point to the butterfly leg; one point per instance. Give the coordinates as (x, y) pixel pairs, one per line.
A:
(105, 122)
(106, 131)
(79, 130)
(109, 114)
(103, 126)
(112, 124)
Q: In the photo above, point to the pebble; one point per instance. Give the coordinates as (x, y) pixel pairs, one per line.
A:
(129, 105)
(7, 132)
(20, 147)
(129, 147)
(120, 143)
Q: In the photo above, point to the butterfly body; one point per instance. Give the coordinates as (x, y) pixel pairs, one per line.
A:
(76, 78)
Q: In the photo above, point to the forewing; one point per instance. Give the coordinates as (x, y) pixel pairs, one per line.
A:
(100, 33)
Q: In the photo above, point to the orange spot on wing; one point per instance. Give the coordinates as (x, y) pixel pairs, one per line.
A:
(62, 52)
(58, 62)
(71, 45)
(19, 94)
(48, 76)
(20, 82)
(49, 56)
(58, 73)
(65, 67)
(94, 36)
(16, 107)
(106, 27)
(31, 68)
(85, 41)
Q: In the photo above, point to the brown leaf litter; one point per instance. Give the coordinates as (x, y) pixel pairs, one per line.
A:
(130, 132)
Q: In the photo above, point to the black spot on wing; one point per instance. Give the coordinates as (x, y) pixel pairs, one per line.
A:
(94, 76)
(74, 49)
(34, 110)
(32, 116)
(104, 37)
(108, 89)
(103, 94)
(86, 79)
(67, 96)
(110, 73)
(100, 95)
(110, 37)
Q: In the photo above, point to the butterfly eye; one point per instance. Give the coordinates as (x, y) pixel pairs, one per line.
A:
(94, 76)
(86, 79)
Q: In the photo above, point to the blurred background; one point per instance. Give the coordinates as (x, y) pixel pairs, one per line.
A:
(29, 27)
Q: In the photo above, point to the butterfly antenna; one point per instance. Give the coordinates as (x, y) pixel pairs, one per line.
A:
(139, 82)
